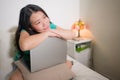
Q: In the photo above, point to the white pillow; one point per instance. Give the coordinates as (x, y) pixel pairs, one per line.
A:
(58, 72)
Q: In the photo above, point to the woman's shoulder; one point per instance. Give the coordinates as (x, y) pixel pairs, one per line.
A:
(52, 25)
(23, 30)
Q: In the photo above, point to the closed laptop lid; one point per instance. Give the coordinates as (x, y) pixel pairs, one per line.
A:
(50, 52)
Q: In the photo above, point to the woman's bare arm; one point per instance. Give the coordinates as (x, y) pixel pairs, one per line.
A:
(28, 42)
(65, 34)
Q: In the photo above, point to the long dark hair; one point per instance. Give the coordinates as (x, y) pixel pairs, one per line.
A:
(24, 22)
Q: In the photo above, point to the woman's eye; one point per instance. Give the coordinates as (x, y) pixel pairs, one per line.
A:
(44, 17)
(37, 23)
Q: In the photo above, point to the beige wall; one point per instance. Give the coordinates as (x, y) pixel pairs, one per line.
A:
(103, 17)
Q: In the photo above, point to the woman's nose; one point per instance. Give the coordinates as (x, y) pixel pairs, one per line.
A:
(44, 23)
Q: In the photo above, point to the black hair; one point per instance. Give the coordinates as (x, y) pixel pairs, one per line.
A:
(24, 22)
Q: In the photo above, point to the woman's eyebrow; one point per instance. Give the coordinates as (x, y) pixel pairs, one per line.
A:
(35, 21)
(38, 19)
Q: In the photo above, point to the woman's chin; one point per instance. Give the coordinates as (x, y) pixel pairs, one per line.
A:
(47, 29)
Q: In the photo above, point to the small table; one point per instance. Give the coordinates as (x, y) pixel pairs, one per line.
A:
(80, 50)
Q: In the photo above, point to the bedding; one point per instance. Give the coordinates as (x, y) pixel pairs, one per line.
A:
(84, 73)
(80, 71)
(58, 72)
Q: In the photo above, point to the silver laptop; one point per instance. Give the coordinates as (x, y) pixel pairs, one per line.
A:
(50, 52)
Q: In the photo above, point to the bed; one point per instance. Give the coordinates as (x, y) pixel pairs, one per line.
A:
(62, 72)
(84, 73)
(81, 72)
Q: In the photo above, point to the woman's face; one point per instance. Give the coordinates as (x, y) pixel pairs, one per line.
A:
(39, 21)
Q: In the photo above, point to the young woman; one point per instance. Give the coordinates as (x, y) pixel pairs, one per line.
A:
(33, 28)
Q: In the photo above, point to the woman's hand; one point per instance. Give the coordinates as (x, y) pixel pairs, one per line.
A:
(63, 33)
(52, 33)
